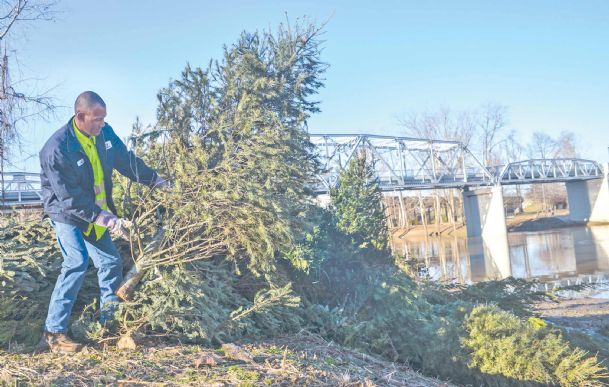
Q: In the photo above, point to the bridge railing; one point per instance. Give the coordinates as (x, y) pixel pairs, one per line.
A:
(545, 170)
(18, 189)
(413, 176)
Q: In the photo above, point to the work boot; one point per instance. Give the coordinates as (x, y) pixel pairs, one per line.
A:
(57, 343)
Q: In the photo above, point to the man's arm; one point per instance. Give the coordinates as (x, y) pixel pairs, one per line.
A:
(129, 165)
(62, 177)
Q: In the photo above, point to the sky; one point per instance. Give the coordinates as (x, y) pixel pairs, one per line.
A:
(546, 61)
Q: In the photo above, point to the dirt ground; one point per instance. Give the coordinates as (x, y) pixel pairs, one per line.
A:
(589, 315)
(302, 360)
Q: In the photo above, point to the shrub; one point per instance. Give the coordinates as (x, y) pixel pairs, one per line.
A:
(502, 344)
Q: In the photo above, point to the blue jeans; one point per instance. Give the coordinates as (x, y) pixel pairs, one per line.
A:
(76, 249)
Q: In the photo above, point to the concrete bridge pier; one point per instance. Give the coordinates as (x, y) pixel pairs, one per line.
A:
(485, 219)
(589, 199)
(484, 213)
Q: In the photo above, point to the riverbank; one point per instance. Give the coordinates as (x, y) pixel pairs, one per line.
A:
(526, 222)
(588, 313)
(585, 317)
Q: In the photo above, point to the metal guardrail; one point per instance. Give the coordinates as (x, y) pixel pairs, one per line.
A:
(20, 189)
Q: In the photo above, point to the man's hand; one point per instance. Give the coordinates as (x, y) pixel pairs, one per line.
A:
(118, 227)
(106, 219)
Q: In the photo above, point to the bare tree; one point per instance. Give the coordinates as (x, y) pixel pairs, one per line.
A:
(542, 146)
(17, 104)
(512, 149)
(491, 122)
(568, 144)
(545, 147)
(441, 124)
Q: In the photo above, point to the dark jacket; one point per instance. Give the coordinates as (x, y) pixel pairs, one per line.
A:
(67, 174)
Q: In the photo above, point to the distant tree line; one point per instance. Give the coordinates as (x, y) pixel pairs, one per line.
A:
(486, 132)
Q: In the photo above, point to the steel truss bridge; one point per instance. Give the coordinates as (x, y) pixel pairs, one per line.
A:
(20, 190)
(404, 163)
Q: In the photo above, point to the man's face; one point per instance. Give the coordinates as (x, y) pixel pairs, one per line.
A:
(91, 121)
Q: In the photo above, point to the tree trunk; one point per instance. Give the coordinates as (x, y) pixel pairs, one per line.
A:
(135, 274)
(438, 213)
(406, 218)
(450, 204)
(461, 210)
(422, 209)
(132, 278)
(543, 198)
(402, 212)
(519, 196)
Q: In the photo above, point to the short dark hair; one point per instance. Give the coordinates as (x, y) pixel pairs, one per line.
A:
(86, 100)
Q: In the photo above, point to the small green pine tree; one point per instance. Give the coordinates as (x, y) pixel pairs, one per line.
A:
(358, 207)
(236, 142)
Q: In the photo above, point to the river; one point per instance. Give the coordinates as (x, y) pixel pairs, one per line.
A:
(562, 256)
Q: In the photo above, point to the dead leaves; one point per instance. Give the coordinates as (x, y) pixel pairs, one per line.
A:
(231, 352)
(235, 352)
(126, 343)
(209, 360)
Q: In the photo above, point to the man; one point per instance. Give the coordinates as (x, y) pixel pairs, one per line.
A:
(77, 163)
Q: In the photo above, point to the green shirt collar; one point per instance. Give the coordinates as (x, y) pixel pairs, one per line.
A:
(82, 138)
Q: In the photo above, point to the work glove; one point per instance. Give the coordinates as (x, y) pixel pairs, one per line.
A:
(117, 226)
(106, 219)
(162, 183)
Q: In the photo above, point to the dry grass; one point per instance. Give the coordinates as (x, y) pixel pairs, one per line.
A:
(304, 360)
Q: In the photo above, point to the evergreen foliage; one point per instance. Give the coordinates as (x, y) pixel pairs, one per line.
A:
(511, 294)
(358, 207)
(30, 262)
(373, 306)
(237, 138)
(232, 138)
(452, 338)
(200, 303)
(527, 350)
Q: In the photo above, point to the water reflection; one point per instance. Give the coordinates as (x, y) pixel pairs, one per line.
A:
(547, 255)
